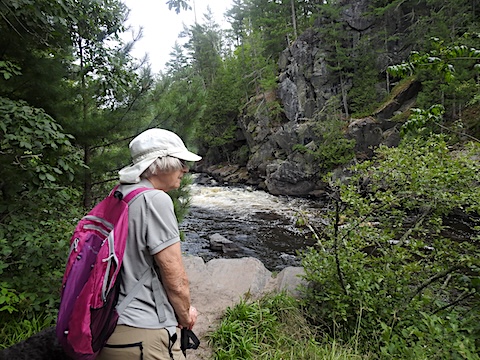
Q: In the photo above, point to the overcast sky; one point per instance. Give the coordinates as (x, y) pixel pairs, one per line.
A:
(162, 26)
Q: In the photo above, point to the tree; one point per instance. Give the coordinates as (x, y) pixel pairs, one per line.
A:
(178, 61)
(236, 16)
(218, 128)
(35, 40)
(38, 153)
(269, 19)
(107, 85)
(179, 103)
(178, 5)
(294, 19)
(204, 47)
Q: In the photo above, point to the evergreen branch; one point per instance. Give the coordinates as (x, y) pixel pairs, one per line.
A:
(127, 110)
(104, 181)
(128, 138)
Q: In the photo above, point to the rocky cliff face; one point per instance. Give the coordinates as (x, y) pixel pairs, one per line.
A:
(307, 92)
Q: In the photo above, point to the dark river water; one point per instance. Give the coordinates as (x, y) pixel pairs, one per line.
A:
(262, 225)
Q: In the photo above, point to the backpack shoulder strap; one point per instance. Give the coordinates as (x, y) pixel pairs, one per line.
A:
(156, 287)
(157, 295)
(126, 300)
(132, 194)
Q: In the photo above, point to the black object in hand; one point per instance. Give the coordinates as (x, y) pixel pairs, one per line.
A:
(188, 340)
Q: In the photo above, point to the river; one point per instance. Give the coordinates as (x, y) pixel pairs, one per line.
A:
(264, 226)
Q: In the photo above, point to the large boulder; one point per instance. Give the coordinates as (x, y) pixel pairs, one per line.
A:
(222, 283)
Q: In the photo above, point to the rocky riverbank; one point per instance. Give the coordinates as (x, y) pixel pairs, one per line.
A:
(214, 285)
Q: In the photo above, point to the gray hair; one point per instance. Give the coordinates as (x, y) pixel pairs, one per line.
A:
(163, 164)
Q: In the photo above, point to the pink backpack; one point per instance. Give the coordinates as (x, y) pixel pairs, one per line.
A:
(88, 310)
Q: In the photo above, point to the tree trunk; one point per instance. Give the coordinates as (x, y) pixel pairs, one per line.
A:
(294, 19)
(87, 180)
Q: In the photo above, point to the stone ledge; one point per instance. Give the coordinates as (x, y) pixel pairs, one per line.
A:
(222, 283)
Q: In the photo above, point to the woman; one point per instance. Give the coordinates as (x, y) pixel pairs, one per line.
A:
(148, 328)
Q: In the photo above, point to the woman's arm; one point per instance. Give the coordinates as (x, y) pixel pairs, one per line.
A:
(175, 282)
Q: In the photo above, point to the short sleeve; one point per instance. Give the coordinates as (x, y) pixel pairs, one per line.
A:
(161, 222)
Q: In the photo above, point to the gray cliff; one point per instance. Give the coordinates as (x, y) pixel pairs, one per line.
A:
(284, 128)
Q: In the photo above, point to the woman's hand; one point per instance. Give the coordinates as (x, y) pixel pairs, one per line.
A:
(193, 314)
(193, 317)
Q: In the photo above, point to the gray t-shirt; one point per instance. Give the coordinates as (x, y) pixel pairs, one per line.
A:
(152, 228)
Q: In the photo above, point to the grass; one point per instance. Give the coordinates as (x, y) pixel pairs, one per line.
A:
(273, 328)
(12, 332)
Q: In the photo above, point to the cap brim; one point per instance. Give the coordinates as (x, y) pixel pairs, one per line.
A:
(185, 155)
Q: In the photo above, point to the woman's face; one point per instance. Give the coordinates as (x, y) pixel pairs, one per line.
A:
(170, 180)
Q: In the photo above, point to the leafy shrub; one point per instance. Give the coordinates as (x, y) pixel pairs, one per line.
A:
(38, 209)
(34, 244)
(34, 147)
(386, 259)
(433, 337)
(331, 148)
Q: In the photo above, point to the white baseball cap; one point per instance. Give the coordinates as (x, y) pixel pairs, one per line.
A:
(150, 145)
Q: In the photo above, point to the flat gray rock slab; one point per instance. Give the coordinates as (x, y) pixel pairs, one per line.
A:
(222, 283)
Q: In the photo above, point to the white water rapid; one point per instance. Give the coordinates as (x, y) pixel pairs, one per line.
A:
(264, 226)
